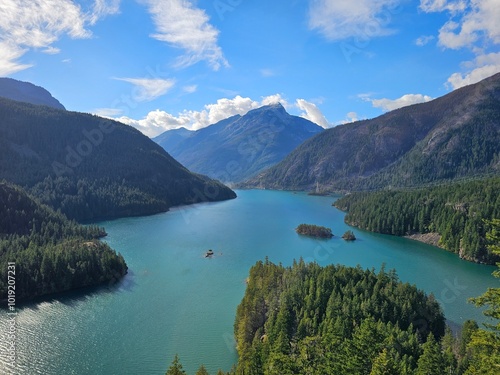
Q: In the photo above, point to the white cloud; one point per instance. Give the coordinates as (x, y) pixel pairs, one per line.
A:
(156, 122)
(51, 50)
(182, 25)
(482, 67)
(190, 89)
(147, 89)
(351, 117)
(312, 113)
(392, 104)
(9, 54)
(442, 5)
(341, 19)
(473, 24)
(102, 8)
(273, 99)
(37, 24)
(423, 40)
(471, 21)
(107, 112)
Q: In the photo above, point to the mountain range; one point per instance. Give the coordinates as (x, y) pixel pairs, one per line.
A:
(27, 92)
(239, 147)
(454, 136)
(90, 167)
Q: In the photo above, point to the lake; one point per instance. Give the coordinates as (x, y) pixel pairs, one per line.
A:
(174, 300)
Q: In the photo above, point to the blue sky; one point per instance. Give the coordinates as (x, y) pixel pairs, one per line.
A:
(162, 64)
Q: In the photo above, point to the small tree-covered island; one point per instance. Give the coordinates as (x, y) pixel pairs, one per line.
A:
(314, 231)
(349, 236)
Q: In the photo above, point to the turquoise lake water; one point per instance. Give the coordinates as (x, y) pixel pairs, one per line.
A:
(174, 300)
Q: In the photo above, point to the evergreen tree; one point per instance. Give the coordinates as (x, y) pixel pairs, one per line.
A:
(384, 365)
(431, 362)
(176, 367)
(485, 344)
(202, 371)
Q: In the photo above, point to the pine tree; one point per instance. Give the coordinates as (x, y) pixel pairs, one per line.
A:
(485, 345)
(176, 367)
(202, 371)
(384, 364)
(431, 362)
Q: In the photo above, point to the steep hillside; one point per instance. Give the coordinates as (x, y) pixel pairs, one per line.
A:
(27, 92)
(241, 146)
(457, 135)
(50, 254)
(90, 167)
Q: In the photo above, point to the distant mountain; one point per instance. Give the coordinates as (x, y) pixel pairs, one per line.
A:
(90, 167)
(27, 92)
(455, 136)
(172, 138)
(241, 146)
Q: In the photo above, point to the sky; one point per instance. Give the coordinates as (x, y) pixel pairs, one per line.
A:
(164, 64)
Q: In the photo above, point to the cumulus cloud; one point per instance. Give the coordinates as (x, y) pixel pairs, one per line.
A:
(312, 113)
(470, 22)
(156, 122)
(482, 67)
(273, 99)
(350, 117)
(147, 89)
(180, 24)
(33, 24)
(473, 24)
(392, 104)
(341, 19)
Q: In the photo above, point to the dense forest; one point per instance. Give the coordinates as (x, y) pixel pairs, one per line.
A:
(308, 319)
(457, 212)
(51, 253)
(90, 167)
(314, 231)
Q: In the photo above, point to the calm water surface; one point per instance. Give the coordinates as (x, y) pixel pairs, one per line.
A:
(175, 300)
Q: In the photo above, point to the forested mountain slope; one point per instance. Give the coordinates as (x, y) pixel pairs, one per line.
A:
(457, 135)
(90, 167)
